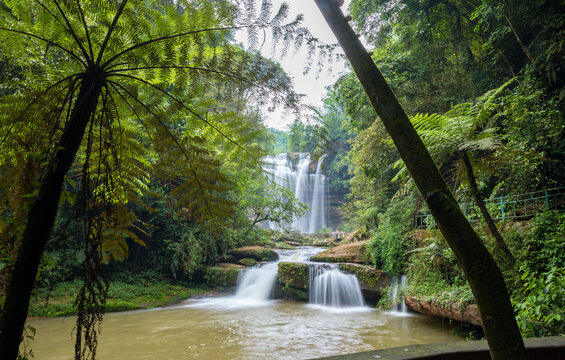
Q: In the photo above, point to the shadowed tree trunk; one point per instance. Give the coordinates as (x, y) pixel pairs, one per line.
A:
(483, 275)
(499, 241)
(41, 217)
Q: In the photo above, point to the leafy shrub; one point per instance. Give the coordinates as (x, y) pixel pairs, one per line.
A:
(542, 310)
(391, 241)
(543, 244)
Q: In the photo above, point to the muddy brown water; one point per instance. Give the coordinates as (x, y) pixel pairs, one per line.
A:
(228, 328)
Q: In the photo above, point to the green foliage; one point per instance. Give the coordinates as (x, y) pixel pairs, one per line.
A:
(28, 336)
(433, 270)
(371, 157)
(280, 143)
(541, 311)
(125, 293)
(542, 246)
(333, 142)
(390, 242)
(301, 137)
(221, 276)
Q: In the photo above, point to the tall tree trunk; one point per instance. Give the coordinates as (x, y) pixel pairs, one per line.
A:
(499, 241)
(40, 219)
(485, 279)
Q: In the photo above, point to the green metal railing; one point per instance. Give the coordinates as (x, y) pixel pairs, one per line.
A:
(515, 207)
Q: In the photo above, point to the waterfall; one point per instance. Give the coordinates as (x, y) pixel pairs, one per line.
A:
(328, 286)
(257, 283)
(398, 305)
(309, 188)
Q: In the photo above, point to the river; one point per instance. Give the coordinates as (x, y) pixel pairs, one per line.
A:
(228, 328)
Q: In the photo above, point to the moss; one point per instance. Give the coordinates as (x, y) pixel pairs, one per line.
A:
(121, 296)
(247, 262)
(328, 259)
(255, 252)
(366, 274)
(221, 276)
(293, 278)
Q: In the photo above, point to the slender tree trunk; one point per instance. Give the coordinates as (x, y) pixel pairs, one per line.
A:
(500, 244)
(484, 277)
(40, 219)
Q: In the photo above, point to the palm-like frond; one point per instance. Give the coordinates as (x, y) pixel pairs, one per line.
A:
(467, 127)
(132, 76)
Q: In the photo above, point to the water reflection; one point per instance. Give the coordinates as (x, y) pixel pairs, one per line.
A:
(225, 329)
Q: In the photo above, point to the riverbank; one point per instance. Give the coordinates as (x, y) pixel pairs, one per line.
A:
(122, 296)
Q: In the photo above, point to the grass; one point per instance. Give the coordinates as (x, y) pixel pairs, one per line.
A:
(122, 296)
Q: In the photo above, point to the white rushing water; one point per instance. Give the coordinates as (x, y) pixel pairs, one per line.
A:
(398, 305)
(328, 286)
(308, 187)
(257, 284)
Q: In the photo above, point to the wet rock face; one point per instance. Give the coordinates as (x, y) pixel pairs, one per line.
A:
(258, 253)
(455, 310)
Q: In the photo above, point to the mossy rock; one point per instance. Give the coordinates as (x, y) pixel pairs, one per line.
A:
(247, 262)
(293, 279)
(355, 252)
(222, 275)
(258, 253)
(368, 276)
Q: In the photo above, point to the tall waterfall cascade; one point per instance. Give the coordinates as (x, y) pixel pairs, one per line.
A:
(307, 182)
(329, 286)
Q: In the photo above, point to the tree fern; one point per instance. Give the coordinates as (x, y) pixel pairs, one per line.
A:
(123, 76)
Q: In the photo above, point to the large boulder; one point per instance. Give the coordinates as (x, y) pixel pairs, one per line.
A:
(222, 275)
(293, 281)
(357, 235)
(355, 252)
(373, 282)
(258, 253)
(468, 313)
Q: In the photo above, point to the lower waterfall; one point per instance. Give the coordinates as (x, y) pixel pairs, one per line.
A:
(258, 283)
(328, 286)
(398, 305)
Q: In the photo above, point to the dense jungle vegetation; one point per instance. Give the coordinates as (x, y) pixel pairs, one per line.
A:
(167, 111)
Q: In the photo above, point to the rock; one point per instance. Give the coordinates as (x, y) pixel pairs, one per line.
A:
(358, 235)
(292, 243)
(455, 310)
(373, 282)
(293, 280)
(222, 274)
(247, 262)
(355, 252)
(258, 253)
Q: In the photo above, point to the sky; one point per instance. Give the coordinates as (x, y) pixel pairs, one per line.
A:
(313, 84)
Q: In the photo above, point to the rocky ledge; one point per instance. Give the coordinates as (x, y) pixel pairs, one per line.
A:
(452, 310)
(258, 253)
(293, 281)
(355, 252)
